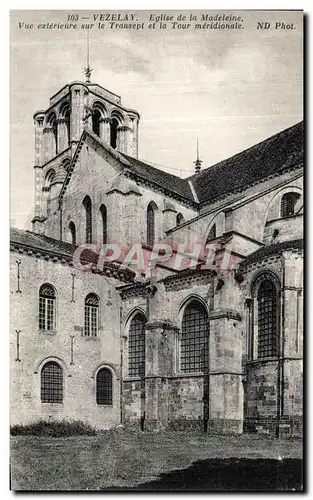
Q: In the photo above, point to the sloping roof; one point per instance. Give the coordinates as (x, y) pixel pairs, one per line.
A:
(39, 243)
(163, 179)
(276, 248)
(272, 156)
(30, 240)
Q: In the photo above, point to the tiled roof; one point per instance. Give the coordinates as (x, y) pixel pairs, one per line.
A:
(30, 240)
(276, 248)
(165, 180)
(39, 243)
(272, 156)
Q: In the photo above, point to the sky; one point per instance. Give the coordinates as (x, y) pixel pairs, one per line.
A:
(229, 89)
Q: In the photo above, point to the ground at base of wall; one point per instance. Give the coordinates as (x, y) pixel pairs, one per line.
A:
(156, 461)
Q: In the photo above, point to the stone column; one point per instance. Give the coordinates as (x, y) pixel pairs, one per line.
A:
(225, 358)
(106, 130)
(160, 343)
(79, 93)
(62, 135)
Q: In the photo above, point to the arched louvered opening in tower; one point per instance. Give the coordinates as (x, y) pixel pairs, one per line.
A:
(96, 118)
(113, 133)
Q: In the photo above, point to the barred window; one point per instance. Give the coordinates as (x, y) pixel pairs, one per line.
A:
(288, 203)
(103, 212)
(104, 387)
(179, 219)
(194, 349)
(51, 383)
(136, 346)
(91, 315)
(212, 233)
(267, 319)
(150, 224)
(88, 219)
(47, 307)
(72, 233)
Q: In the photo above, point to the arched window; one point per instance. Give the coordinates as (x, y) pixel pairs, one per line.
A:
(96, 116)
(288, 203)
(88, 219)
(268, 318)
(151, 224)
(72, 233)
(47, 307)
(137, 346)
(51, 383)
(179, 219)
(104, 387)
(54, 127)
(113, 133)
(194, 350)
(91, 315)
(103, 212)
(212, 233)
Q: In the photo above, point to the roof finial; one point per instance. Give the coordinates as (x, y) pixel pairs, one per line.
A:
(88, 69)
(198, 162)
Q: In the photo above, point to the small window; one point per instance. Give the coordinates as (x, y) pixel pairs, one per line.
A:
(72, 233)
(288, 203)
(47, 308)
(103, 212)
(51, 383)
(91, 315)
(212, 233)
(150, 224)
(104, 387)
(179, 219)
(88, 219)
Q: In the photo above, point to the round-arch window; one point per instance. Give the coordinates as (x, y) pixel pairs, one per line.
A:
(194, 348)
(104, 387)
(51, 383)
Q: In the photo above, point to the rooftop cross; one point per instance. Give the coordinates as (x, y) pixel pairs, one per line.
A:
(88, 69)
(198, 162)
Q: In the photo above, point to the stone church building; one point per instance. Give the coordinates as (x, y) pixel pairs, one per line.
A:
(215, 347)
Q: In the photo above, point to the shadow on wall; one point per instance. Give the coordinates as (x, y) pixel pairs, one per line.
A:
(231, 474)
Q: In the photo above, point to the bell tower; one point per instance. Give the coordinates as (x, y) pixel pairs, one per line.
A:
(78, 106)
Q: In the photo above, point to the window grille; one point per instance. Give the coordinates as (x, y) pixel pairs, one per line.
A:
(194, 349)
(46, 307)
(267, 319)
(103, 212)
(288, 203)
(104, 387)
(51, 383)
(88, 215)
(150, 225)
(91, 315)
(212, 233)
(136, 347)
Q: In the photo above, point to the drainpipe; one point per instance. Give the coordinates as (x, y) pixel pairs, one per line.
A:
(121, 364)
(61, 219)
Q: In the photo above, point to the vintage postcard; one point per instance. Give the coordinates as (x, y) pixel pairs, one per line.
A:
(156, 335)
